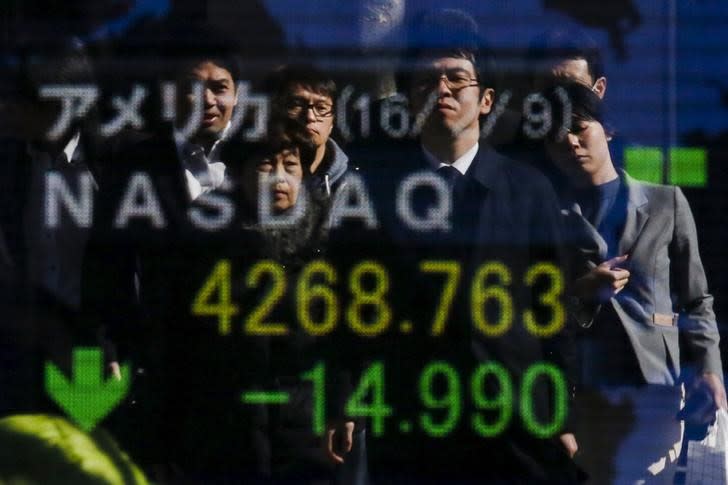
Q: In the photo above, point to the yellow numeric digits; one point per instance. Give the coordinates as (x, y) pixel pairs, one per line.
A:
(224, 309)
(481, 293)
(306, 292)
(255, 325)
(551, 298)
(373, 298)
(451, 270)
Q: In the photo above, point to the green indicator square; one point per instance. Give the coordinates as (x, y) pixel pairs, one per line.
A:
(689, 167)
(644, 163)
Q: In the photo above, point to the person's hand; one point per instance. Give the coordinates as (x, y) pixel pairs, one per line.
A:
(115, 370)
(568, 441)
(341, 433)
(715, 387)
(603, 281)
(704, 397)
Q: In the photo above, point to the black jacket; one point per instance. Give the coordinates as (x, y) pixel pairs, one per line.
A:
(505, 222)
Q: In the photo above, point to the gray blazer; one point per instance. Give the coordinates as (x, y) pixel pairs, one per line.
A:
(665, 308)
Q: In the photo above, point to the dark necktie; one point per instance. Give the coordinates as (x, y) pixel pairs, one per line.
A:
(453, 178)
(450, 174)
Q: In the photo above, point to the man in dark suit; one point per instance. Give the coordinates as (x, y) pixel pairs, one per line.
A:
(184, 411)
(499, 214)
(177, 163)
(48, 186)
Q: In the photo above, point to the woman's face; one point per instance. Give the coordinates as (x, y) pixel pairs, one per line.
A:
(282, 174)
(583, 153)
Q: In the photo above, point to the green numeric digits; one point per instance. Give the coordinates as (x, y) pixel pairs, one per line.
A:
(449, 400)
(560, 393)
(371, 383)
(440, 388)
(501, 402)
(317, 376)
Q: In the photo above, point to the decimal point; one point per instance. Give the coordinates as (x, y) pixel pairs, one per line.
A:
(405, 327)
(405, 426)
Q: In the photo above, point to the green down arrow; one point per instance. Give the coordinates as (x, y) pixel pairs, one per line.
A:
(87, 399)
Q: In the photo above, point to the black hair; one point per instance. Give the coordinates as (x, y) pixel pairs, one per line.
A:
(569, 98)
(189, 48)
(65, 63)
(229, 63)
(555, 46)
(306, 76)
(282, 136)
(448, 33)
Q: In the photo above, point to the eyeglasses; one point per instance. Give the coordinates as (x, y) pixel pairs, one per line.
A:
(454, 80)
(321, 109)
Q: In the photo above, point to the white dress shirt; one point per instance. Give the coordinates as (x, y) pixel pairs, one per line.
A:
(462, 164)
(203, 172)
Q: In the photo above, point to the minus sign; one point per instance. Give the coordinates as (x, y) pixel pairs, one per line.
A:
(272, 397)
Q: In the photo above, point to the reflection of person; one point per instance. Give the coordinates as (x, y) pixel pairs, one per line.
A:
(199, 152)
(306, 96)
(281, 172)
(148, 314)
(643, 295)
(194, 163)
(502, 211)
(568, 55)
(304, 100)
(278, 174)
(42, 302)
(556, 54)
(289, 215)
(285, 173)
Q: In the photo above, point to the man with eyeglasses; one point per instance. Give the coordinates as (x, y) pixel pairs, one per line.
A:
(503, 214)
(304, 100)
(450, 134)
(306, 97)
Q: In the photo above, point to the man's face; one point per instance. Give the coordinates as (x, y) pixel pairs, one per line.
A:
(575, 69)
(218, 100)
(578, 70)
(456, 109)
(313, 110)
